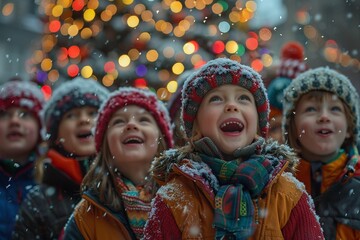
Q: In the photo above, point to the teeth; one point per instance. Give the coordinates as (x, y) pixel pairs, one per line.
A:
(133, 139)
(324, 131)
(227, 123)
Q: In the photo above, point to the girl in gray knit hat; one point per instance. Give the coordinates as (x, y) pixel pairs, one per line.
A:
(321, 122)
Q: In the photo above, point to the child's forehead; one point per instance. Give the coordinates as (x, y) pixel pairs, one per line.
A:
(228, 87)
(320, 96)
(131, 109)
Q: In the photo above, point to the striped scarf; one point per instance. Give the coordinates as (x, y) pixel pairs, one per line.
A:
(136, 202)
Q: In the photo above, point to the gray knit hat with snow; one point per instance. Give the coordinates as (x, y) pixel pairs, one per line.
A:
(75, 93)
(325, 79)
(219, 72)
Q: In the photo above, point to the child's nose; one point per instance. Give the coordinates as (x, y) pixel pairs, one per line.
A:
(15, 118)
(85, 118)
(131, 125)
(324, 116)
(231, 108)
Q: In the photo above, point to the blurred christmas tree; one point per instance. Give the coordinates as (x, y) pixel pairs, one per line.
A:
(146, 43)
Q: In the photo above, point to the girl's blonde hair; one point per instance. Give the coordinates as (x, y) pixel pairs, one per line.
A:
(101, 176)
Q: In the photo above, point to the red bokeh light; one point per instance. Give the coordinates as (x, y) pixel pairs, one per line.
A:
(109, 67)
(78, 5)
(74, 51)
(47, 91)
(218, 47)
(73, 70)
(251, 43)
(54, 26)
(140, 83)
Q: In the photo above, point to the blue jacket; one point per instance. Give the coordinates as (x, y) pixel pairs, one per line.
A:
(14, 187)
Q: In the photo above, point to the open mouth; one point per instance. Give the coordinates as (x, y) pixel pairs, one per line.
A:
(14, 134)
(84, 135)
(324, 132)
(232, 127)
(133, 140)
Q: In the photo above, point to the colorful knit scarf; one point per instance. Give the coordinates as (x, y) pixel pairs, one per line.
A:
(136, 202)
(240, 181)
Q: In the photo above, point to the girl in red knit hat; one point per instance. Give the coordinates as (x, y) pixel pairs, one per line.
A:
(132, 128)
(20, 104)
(229, 182)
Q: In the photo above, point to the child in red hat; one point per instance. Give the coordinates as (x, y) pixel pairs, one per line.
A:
(229, 182)
(292, 64)
(20, 104)
(132, 128)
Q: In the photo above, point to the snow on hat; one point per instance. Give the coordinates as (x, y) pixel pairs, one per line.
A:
(219, 72)
(75, 93)
(292, 55)
(23, 94)
(126, 96)
(325, 79)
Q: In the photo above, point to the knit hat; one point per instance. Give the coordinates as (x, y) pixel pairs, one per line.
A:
(219, 72)
(23, 94)
(326, 79)
(126, 96)
(291, 65)
(72, 94)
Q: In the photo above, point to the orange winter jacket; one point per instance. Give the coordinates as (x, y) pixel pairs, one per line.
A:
(330, 173)
(91, 220)
(273, 208)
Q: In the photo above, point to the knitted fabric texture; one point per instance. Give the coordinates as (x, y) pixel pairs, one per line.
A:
(126, 96)
(22, 94)
(137, 202)
(219, 72)
(234, 210)
(323, 79)
(72, 94)
(292, 64)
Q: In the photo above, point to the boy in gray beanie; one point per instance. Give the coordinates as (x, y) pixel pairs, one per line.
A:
(321, 122)
(68, 118)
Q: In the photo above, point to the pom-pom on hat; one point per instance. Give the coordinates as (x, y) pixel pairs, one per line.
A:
(325, 79)
(126, 96)
(291, 62)
(219, 72)
(24, 94)
(75, 93)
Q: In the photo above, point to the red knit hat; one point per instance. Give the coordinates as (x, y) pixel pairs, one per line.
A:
(215, 73)
(292, 60)
(22, 94)
(125, 96)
